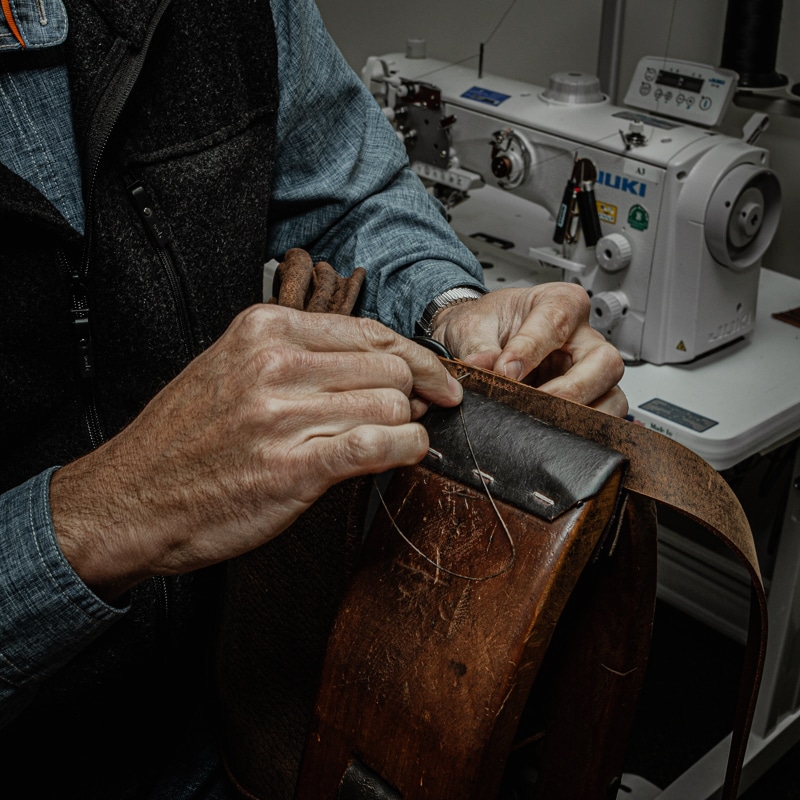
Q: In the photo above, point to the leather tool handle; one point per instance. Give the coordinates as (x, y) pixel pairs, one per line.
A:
(305, 286)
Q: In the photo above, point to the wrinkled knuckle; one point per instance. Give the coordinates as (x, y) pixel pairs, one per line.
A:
(400, 374)
(275, 359)
(563, 322)
(579, 296)
(376, 335)
(396, 408)
(615, 364)
(255, 317)
(260, 321)
(366, 444)
(526, 340)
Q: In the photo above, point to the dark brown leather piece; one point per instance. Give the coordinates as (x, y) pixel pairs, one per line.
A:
(532, 465)
(596, 664)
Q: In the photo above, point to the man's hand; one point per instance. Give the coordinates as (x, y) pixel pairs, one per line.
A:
(542, 335)
(246, 438)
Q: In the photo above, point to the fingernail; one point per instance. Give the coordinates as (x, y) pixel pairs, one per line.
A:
(455, 387)
(513, 370)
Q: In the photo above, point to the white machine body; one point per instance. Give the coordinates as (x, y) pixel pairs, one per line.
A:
(685, 213)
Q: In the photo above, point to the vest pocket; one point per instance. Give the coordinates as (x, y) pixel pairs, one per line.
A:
(160, 236)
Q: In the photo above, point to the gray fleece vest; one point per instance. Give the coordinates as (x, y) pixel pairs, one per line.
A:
(175, 110)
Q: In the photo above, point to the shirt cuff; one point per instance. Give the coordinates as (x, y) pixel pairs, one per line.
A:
(49, 613)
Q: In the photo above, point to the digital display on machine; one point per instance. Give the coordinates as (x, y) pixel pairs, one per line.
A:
(677, 81)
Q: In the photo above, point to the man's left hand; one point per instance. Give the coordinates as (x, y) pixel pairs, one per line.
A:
(541, 335)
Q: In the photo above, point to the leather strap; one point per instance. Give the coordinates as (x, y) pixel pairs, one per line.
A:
(664, 470)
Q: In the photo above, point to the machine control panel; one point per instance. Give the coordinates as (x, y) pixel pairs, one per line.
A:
(695, 93)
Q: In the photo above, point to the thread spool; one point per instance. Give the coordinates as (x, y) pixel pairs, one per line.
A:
(750, 45)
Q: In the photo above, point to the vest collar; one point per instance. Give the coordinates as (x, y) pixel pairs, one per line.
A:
(129, 20)
(20, 200)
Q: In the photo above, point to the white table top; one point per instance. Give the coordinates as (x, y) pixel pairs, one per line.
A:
(749, 390)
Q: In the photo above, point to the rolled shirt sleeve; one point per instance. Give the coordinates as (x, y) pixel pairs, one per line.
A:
(342, 187)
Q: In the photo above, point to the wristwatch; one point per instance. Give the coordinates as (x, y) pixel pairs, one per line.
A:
(451, 297)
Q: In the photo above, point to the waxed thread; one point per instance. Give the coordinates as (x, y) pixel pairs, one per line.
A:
(480, 473)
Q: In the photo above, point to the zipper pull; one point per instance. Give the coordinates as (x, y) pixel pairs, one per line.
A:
(81, 328)
(144, 205)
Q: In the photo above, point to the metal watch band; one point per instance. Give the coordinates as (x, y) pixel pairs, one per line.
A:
(459, 294)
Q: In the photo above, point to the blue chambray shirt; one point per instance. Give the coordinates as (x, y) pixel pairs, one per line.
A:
(337, 157)
(36, 139)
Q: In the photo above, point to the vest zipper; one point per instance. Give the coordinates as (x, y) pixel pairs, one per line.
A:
(159, 233)
(81, 319)
(121, 90)
(84, 350)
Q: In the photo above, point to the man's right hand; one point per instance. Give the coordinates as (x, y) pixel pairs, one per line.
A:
(246, 438)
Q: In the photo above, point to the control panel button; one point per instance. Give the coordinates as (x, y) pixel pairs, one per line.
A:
(685, 90)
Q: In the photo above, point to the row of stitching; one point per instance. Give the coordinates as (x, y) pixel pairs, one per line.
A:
(42, 13)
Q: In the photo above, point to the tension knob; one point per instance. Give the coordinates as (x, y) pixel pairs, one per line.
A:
(613, 252)
(608, 308)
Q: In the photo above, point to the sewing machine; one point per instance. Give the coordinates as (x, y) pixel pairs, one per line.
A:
(662, 219)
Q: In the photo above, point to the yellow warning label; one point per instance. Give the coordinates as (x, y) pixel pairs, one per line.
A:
(607, 212)
(681, 346)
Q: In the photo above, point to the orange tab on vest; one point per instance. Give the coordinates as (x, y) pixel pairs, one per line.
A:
(11, 22)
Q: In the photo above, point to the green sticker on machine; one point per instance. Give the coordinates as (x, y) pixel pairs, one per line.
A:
(638, 218)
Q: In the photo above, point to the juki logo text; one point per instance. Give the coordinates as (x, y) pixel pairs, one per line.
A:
(638, 188)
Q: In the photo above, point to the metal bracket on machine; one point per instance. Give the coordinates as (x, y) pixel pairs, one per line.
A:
(455, 178)
(548, 257)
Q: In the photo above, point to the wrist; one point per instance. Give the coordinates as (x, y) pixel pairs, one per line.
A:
(90, 534)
